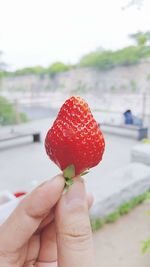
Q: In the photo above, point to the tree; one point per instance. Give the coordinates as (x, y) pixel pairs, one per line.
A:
(1, 70)
(141, 38)
(136, 3)
(104, 60)
(2, 64)
(57, 67)
(0, 60)
(8, 113)
(37, 70)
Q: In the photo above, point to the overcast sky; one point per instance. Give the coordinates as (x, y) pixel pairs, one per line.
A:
(39, 32)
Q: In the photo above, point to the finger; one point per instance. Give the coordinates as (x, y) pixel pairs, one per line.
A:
(48, 249)
(33, 249)
(48, 219)
(50, 216)
(28, 215)
(90, 200)
(45, 264)
(74, 236)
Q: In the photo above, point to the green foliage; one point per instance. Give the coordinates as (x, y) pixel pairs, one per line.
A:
(146, 141)
(8, 113)
(148, 77)
(126, 56)
(137, 200)
(141, 38)
(2, 64)
(145, 246)
(57, 67)
(99, 59)
(2, 67)
(97, 223)
(37, 70)
(3, 74)
(125, 208)
(112, 217)
(104, 60)
(147, 196)
(23, 117)
(146, 243)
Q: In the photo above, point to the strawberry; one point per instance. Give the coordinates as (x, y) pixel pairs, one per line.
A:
(75, 138)
(20, 194)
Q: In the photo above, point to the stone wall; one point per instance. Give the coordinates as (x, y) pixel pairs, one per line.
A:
(114, 90)
(130, 79)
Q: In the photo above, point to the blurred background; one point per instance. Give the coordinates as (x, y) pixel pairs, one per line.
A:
(51, 50)
(100, 50)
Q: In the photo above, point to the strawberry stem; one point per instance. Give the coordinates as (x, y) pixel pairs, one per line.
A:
(68, 182)
(69, 173)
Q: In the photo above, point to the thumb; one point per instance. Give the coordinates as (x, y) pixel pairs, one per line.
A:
(74, 236)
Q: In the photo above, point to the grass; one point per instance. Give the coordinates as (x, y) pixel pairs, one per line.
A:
(146, 141)
(145, 245)
(112, 217)
(125, 208)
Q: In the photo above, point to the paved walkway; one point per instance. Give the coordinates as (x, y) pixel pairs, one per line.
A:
(119, 244)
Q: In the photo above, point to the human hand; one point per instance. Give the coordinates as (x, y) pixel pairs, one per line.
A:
(48, 229)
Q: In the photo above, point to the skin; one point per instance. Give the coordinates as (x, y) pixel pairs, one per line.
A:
(49, 229)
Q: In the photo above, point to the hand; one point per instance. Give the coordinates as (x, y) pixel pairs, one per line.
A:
(48, 229)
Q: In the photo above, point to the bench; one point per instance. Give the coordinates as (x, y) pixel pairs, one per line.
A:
(132, 131)
(141, 153)
(118, 187)
(17, 135)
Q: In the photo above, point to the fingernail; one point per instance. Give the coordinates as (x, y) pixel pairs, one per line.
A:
(76, 192)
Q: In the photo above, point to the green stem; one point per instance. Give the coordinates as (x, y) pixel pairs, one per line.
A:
(69, 173)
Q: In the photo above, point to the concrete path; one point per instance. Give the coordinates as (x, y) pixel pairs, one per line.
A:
(119, 244)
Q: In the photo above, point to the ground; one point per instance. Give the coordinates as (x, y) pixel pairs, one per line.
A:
(119, 244)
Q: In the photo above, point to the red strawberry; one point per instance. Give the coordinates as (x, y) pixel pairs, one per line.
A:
(75, 137)
(20, 194)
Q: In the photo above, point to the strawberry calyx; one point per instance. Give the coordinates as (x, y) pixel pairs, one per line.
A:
(84, 173)
(68, 174)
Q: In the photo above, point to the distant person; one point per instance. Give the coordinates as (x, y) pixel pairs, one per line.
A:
(130, 119)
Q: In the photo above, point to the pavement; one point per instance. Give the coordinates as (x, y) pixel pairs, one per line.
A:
(24, 164)
(119, 244)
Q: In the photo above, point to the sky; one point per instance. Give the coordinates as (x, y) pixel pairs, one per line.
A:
(40, 32)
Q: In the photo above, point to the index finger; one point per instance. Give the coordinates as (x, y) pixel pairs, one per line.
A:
(28, 215)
